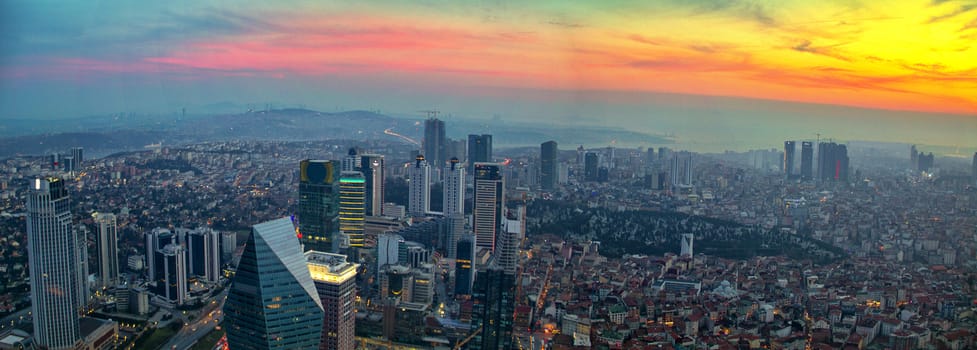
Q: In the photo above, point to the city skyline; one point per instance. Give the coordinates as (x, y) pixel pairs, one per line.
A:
(657, 65)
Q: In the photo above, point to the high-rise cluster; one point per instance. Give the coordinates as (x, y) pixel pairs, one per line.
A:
(832, 162)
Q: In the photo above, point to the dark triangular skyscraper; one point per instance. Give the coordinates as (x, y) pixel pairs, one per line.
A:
(273, 303)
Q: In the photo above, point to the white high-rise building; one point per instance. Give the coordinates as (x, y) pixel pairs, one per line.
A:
(419, 201)
(507, 245)
(454, 205)
(106, 244)
(352, 161)
(56, 289)
(687, 240)
(489, 203)
(388, 250)
(454, 188)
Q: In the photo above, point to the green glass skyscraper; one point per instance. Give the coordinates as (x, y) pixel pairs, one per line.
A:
(273, 303)
(318, 205)
(493, 309)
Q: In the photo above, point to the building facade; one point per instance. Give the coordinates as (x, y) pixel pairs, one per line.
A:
(318, 212)
(54, 265)
(372, 167)
(272, 302)
(790, 148)
(547, 165)
(419, 195)
(492, 310)
(335, 282)
(352, 208)
(479, 150)
(489, 203)
(434, 141)
(107, 249)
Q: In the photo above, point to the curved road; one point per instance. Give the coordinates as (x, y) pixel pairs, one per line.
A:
(209, 318)
(389, 131)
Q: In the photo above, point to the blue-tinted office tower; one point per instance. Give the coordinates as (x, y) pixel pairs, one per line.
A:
(547, 164)
(273, 303)
(434, 142)
(479, 150)
(464, 265)
(493, 309)
(789, 149)
(807, 160)
(590, 166)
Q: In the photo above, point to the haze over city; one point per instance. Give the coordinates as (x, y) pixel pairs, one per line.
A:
(484, 175)
(906, 67)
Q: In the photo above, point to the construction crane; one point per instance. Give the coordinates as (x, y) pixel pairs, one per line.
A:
(467, 339)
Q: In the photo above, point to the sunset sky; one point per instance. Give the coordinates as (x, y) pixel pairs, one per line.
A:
(89, 57)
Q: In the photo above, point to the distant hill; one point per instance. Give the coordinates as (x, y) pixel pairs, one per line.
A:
(109, 134)
(291, 124)
(120, 140)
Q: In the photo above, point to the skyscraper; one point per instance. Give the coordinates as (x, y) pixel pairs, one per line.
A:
(388, 250)
(352, 208)
(68, 163)
(479, 150)
(590, 164)
(507, 244)
(789, 149)
(52, 249)
(156, 240)
(973, 171)
(434, 141)
(78, 154)
(547, 164)
(273, 303)
(832, 162)
(372, 167)
(807, 160)
(352, 161)
(335, 282)
(454, 188)
(465, 265)
(453, 205)
(913, 157)
(419, 196)
(107, 249)
(174, 286)
(493, 309)
(681, 169)
(318, 205)
(203, 253)
(489, 203)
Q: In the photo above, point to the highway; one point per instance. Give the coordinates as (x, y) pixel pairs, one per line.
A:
(390, 131)
(210, 316)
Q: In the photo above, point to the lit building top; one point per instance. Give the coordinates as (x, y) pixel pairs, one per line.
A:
(330, 268)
